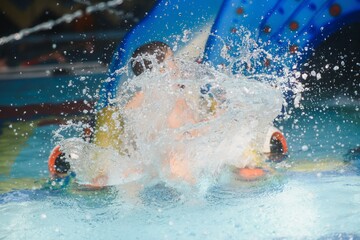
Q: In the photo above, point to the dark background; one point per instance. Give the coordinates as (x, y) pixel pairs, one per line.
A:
(93, 38)
(88, 38)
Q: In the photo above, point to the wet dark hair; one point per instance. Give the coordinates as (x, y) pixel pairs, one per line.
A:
(157, 49)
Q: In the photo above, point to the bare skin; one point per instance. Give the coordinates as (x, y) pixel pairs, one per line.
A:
(180, 115)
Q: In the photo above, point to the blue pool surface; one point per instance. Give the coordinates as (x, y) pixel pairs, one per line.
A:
(52, 89)
(302, 203)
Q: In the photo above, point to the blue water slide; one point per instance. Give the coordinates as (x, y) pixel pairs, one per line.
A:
(179, 23)
(286, 29)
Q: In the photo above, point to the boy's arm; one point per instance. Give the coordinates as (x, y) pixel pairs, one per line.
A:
(136, 101)
(180, 115)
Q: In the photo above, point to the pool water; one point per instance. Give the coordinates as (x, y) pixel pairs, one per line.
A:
(313, 194)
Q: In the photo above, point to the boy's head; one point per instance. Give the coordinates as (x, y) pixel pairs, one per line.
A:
(141, 56)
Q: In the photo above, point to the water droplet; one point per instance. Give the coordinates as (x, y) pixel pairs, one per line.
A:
(304, 148)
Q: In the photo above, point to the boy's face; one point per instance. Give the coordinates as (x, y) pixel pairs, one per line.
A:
(170, 64)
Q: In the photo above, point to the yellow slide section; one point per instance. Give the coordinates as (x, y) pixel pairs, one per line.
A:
(20, 184)
(318, 166)
(109, 128)
(12, 140)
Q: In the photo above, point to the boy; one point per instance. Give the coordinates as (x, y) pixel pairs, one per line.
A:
(181, 113)
(149, 57)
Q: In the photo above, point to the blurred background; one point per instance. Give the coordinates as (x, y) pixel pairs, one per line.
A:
(90, 37)
(30, 36)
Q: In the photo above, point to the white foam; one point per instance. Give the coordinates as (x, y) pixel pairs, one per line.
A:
(245, 110)
(234, 137)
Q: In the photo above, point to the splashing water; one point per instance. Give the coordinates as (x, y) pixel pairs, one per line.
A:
(232, 134)
(231, 116)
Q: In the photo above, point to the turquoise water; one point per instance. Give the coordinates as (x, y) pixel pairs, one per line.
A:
(294, 202)
(53, 89)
